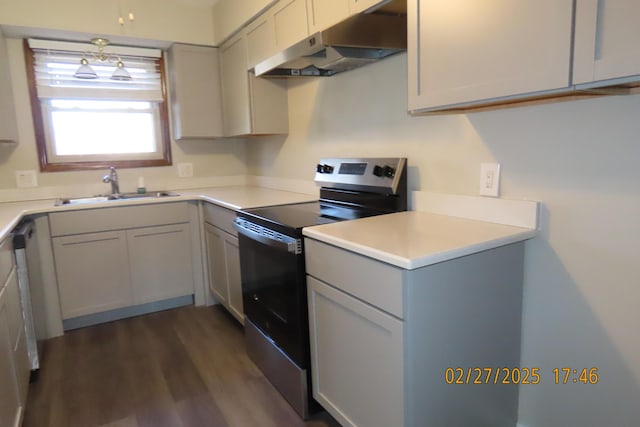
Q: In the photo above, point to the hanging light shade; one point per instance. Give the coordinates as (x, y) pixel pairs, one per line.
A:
(85, 71)
(120, 72)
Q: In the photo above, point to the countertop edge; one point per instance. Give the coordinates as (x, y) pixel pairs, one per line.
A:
(419, 261)
(46, 206)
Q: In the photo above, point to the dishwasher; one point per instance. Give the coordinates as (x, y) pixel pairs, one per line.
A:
(31, 293)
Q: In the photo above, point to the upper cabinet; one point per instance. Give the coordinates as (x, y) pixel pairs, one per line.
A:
(290, 19)
(251, 105)
(462, 52)
(275, 30)
(261, 39)
(325, 13)
(194, 76)
(606, 43)
(8, 125)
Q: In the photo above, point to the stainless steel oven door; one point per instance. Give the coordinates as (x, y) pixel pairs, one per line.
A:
(273, 287)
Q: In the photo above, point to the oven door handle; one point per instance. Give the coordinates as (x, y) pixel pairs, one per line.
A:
(268, 237)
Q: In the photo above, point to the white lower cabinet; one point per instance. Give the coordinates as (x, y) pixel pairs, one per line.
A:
(223, 260)
(357, 365)
(383, 339)
(137, 261)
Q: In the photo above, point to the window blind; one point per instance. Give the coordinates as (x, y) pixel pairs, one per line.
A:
(54, 69)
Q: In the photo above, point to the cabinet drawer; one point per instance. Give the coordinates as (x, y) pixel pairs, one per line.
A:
(6, 260)
(372, 281)
(117, 218)
(220, 217)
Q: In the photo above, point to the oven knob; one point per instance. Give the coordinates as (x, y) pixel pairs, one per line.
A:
(378, 171)
(328, 169)
(319, 168)
(389, 171)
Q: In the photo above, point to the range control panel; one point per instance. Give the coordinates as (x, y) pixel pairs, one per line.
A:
(378, 174)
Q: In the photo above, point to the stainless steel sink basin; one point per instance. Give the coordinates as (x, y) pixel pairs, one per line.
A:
(121, 196)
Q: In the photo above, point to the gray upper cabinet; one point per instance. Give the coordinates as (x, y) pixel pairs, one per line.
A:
(464, 55)
(251, 105)
(196, 102)
(606, 48)
(464, 52)
(8, 125)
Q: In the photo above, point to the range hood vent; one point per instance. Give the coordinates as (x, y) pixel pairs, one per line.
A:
(352, 43)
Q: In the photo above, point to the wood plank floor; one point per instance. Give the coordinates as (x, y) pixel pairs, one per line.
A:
(185, 367)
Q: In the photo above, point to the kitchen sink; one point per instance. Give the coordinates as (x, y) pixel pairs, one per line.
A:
(116, 197)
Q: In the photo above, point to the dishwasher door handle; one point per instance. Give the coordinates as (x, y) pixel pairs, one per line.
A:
(267, 236)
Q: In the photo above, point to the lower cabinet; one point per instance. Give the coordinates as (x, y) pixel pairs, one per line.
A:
(357, 359)
(93, 272)
(14, 362)
(160, 263)
(223, 258)
(10, 405)
(137, 264)
(384, 341)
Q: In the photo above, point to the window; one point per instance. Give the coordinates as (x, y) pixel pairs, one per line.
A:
(96, 123)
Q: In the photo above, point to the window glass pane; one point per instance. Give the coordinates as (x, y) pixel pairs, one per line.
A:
(102, 127)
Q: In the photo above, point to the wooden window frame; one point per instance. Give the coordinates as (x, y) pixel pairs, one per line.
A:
(41, 144)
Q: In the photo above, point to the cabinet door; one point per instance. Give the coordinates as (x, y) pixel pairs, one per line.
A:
(196, 102)
(252, 105)
(216, 263)
(269, 105)
(261, 40)
(357, 359)
(235, 88)
(324, 13)
(93, 272)
(606, 41)
(10, 407)
(290, 19)
(8, 125)
(17, 336)
(234, 282)
(463, 52)
(160, 262)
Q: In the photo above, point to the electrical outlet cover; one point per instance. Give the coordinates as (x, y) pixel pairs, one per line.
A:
(185, 170)
(490, 179)
(26, 179)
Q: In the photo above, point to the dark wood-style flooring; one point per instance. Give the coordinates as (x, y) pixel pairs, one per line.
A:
(185, 367)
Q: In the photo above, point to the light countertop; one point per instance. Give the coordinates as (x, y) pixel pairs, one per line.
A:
(413, 239)
(231, 197)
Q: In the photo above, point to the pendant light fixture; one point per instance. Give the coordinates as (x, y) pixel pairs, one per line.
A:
(86, 72)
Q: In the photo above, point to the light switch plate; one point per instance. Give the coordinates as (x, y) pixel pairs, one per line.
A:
(490, 179)
(26, 179)
(185, 170)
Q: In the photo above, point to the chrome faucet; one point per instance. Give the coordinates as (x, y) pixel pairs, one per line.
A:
(112, 178)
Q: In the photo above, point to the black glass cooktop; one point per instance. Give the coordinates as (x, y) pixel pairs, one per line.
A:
(293, 217)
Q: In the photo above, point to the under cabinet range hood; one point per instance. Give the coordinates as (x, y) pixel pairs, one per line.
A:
(357, 41)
